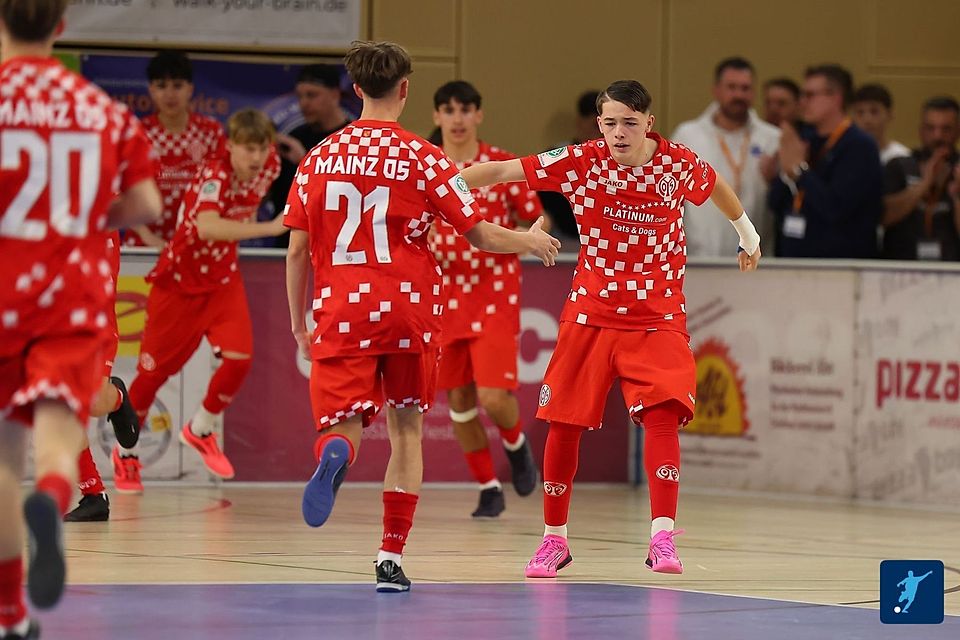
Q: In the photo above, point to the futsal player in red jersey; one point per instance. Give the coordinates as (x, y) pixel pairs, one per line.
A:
(625, 315)
(360, 211)
(74, 163)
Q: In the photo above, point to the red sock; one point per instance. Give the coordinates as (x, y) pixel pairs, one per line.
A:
(661, 458)
(324, 438)
(560, 458)
(12, 610)
(225, 383)
(481, 465)
(143, 390)
(398, 508)
(511, 435)
(91, 483)
(57, 487)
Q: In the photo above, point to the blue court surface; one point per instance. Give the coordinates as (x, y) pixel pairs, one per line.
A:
(495, 611)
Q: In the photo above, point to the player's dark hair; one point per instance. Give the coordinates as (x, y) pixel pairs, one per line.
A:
(736, 62)
(942, 103)
(629, 92)
(459, 90)
(170, 65)
(326, 75)
(32, 20)
(836, 76)
(873, 93)
(587, 103)
(377, 67)
(250, 126)
(784, 83)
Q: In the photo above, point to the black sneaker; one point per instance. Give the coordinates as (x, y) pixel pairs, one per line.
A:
(390, 578)
(491, 503)
(92, 508)
(524, 468)
(126, 424)
(33, 633)
(48, 570)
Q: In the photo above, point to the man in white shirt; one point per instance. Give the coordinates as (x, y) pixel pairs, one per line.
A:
(732, 138)
(872, 111)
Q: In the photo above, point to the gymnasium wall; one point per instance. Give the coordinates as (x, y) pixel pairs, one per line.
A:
(531, 59)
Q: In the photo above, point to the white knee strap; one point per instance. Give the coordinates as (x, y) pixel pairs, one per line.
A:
(464, 416)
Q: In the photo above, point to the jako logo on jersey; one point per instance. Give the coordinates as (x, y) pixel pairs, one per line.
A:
(667, 186)
(555, 489)
(554, 155)
(613, 184)
(668, 472)
(544, 395)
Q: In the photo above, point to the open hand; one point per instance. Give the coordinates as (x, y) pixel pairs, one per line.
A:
(542, 244)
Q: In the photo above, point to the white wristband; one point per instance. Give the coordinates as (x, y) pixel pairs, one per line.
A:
(749, 238)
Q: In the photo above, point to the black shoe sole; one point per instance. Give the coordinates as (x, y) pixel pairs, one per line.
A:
(125, 422)
(48, 571)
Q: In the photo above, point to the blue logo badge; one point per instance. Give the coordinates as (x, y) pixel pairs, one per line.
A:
(911, 592)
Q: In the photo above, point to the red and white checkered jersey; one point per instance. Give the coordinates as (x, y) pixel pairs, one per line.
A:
(368, 195)
(181, 155)
(481, 291)
(633, 254)
(194, 265)
(67, 150)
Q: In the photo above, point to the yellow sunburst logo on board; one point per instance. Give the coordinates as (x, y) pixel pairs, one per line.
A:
(721, 408)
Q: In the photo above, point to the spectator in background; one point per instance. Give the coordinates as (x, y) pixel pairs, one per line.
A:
(872, 111)
(921, 213)
(732, 138)
(827, 197)
(318, 93)
(585, 128)
(781, 101)
(182, 139)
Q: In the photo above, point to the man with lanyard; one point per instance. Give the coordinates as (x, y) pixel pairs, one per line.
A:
(827, 197)
(921, 213)
(731, 137)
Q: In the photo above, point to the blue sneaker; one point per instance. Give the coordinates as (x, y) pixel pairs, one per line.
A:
(321, 490)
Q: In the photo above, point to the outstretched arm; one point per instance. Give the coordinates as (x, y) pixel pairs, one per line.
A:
(725, 198)
(924, 575)
(496, 239)
(488, 173)
(210, 226)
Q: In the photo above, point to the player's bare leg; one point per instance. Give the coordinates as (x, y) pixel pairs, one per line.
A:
(335, 449)
(401, 490)
(13, 612)
(469, 432)
(502, 407)
(57, 438)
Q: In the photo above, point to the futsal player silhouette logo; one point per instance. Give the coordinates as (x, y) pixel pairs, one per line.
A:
(910, 584)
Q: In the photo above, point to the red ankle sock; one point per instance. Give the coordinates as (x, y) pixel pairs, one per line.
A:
(324, 438)
(661, 458)
(12, 610)
(91, 483)
(398, 508)
(511, 435)
(560, 458)
(481, 465)
(58, 488)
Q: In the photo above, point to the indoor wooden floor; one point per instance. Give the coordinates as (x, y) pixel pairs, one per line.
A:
(764, 547)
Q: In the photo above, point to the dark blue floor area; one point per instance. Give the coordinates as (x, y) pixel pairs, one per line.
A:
(550, 611)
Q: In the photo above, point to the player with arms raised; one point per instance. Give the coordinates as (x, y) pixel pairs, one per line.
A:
(66, 151)
(625, 315)
(360, 209)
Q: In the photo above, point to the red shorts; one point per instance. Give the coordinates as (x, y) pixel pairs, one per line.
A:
(489, 359)
(343, 387)
(57, 366)
(653, 367)
(176, 322)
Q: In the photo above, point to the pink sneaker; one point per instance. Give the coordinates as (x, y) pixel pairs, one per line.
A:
(213, 458)
(552, 555)
(663, 554)
(126, 472)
